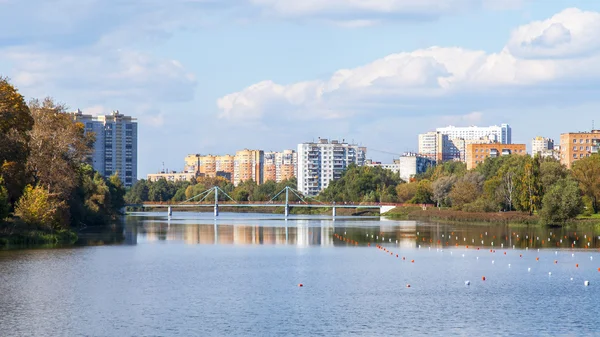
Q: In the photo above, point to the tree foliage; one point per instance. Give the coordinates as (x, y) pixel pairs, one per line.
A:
(562, 202)
(586, 171)
(15, 124)
(40, 209)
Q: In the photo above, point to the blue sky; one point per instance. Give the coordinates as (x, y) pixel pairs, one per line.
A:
(207, 76)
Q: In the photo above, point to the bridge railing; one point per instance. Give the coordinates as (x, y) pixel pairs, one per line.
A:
(274, 203)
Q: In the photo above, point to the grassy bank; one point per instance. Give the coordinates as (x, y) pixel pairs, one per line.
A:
(37, 238)
(417, 213)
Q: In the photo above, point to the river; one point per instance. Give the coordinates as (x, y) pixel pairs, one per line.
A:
(239, 275)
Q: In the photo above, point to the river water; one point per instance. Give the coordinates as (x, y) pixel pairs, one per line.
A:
(240, 275)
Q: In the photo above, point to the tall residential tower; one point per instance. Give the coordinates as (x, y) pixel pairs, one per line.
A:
(115, 148)
(324, 161)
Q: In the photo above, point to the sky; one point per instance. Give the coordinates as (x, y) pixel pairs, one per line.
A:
(216, 76)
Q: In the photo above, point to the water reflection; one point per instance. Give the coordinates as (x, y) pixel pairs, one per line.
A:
(321, 232)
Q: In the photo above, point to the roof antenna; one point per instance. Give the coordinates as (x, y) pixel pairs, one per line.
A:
(592, 125)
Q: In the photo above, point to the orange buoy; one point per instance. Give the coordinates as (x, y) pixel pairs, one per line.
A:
(413, 261)
(537, 258)
(300, 285)
(467, 247)
(490, 250)
(577, 265)
(396, 255)
(403, 258)
(520, 255)
(598, 269)
(408, 285)
(504, 253)
(555, 262)
(483, 278)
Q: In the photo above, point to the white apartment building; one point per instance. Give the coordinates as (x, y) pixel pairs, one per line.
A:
(115, 148)
(501, 134)
(324, 161)
(541, 145)
(172, 176)
(412, 164)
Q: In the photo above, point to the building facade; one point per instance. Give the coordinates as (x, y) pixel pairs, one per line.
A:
(115, 147)
(172, 176)
(323, 161)
(412, 164)
(541, 145)
(477, 153)
(280, 166)
(248, 165)
(500, 134)
(578, 145)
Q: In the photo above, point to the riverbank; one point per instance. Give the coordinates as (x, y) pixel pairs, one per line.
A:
(506, 218)
(31, 238)
(449, 215)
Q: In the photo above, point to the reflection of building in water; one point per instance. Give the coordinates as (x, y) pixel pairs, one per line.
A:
(302, 228)
(327, 230)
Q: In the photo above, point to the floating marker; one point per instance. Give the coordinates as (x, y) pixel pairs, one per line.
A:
(492, 261)
(549, 273)
(408, 285)
(509, 265)
(483, 278)
(467, 283)
(571, 279)
(586, 283)
(528, 269)
(300, 285)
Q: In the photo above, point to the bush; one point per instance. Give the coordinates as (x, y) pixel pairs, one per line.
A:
(4, 202)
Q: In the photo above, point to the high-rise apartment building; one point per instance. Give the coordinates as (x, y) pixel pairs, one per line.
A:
(540, 145)
(324, 161)
(577, 145)
(115, 148)
(210, 166)
(280, 166)
(248, 165)
(501, 134)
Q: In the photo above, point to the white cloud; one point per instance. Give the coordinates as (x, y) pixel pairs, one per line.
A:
(446, 79)
(570, 33)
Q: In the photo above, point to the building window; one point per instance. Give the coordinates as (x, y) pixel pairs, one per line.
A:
(574, 141)
(574, 148)
(587, 140)
(587, 148)
(581, 148)
(581, 141)
(574, 155)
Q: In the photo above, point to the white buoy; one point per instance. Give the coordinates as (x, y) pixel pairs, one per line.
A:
(526, 248)
(538, 249)
(556, 253)
(591, 257)
(467, 283)
(492, 261)
(417, 233)
(571, 279)
(344, 233)
(572, 255)
(478, 258)
(501, 245)
(528, 269)
(485, 233)
(549, 273)
(586, 283)
(419, 246)
(481, 241)
(509, 265)
(560, 240)
(390, 240)
(463, 255)
(450, 253)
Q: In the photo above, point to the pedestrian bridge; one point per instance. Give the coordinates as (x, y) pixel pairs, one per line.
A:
(287, 204)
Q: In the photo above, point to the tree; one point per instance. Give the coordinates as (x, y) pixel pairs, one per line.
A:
(586, 171)
(467, 189)
(530, 186)
(138, 193)
(423, 193)
(15, 124)
(4, 201)
(551, 170)
(406, 192)
(58, 147)
(441, 190)
(561, 203)
(38, 208)
(117, 192)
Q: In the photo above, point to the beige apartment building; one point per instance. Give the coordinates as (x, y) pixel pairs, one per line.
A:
(577, 145)
(280, 166)
(248, 165)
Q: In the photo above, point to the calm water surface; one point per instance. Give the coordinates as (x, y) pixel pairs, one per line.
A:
(239, 275)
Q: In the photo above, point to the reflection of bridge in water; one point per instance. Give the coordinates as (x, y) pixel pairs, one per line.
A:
(304, 201)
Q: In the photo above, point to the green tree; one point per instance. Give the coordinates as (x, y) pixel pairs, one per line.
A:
(530, 187)
(423, 194)
(586, 171)
(406, 192)
(117, 193)
(138, 193)
(561, 203)
(551, 170)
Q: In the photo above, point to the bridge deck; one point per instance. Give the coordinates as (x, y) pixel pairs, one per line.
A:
(256, 205)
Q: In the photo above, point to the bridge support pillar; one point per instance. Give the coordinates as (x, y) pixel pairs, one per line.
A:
(334, 212)
(169, 211)
(216, 210)
(286, 212)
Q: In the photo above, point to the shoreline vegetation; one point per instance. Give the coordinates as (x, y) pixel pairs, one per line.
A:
(49, 191)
